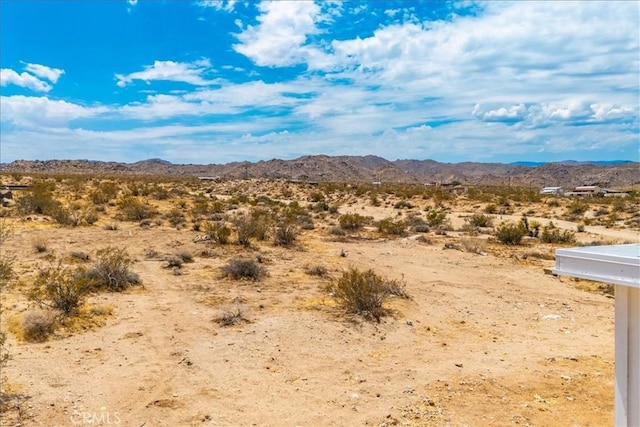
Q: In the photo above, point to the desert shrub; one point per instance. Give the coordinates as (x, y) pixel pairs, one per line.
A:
(243, 230)
(389, 226)
(40, 244)
(37, 325)
(243, 269)
(552, 234)
(364, 292)
(79, 256)
(285, 235)
(474, 246)
(335, 231)
(111, 269)
(435, 217)
(511, 233)
(173, 261)
(479, 220)
(576, 209)
(175, 217)
(316, 196)
(133, 209)
(403, 204)
(352, 221)
(491, 208)
(38, 199)
(60, 288)
(217, 232)
(317, 270)
(7, 273)
(186, 256)
(232, 317)
(107, 191)
(580, 228)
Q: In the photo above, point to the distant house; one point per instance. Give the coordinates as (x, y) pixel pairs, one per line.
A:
(556, 191)
(614, 193)
(585, 191)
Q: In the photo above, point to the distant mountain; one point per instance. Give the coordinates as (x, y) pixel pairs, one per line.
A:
(365, 169)
(575, 162)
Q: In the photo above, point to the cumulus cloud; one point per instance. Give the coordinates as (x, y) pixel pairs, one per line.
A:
(41, 111)
(26, 80)
(191, 73)
(44, 72)
(547, 114)
(281, 34)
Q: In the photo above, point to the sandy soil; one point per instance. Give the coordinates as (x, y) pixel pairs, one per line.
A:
(484, 340)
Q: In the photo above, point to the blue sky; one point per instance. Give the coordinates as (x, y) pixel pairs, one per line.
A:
(221, 81)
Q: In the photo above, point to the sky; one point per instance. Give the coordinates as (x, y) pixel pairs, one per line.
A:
(221, 81)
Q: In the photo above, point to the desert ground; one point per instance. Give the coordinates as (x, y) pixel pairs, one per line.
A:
(486, 336)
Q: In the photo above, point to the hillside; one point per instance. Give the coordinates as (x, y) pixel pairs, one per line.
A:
(361, 168)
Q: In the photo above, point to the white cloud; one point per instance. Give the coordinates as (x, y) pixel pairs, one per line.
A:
(26, 80)
(280, 37)
(44, 72)
(191, 73)
(41, 111)
(221, 5)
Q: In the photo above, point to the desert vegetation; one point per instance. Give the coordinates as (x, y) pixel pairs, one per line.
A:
(87, 259)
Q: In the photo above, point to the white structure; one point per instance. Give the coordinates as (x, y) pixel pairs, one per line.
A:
(552, 190)
(618, 265)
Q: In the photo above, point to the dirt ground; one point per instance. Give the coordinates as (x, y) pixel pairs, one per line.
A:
(485, 339)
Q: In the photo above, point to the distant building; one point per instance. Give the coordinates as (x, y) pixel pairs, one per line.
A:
(585, 191)
(556, 191)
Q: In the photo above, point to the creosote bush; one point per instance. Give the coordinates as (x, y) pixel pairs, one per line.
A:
(479, 220)
(552, 234)
(510, 233)
(243, 269)
(352, 221)
(284, 235)
(111, 269)
(60, 288)
(217, 231)
(389, 226)
(365, 292)
(132, 209)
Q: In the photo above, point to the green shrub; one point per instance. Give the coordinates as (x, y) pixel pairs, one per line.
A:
(111, 270)
(480, 220)
(175, 217)
(435, 217)
(38, 199)
(389, 226)
(60, 288)
(243, 269)
(352, 221)
(217, 232)
(552, 234)
(364, 292)
(132, 209)
(285, 235)
(403, 204)
(510, 233)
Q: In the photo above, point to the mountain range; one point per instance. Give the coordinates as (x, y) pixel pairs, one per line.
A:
(363, 169)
